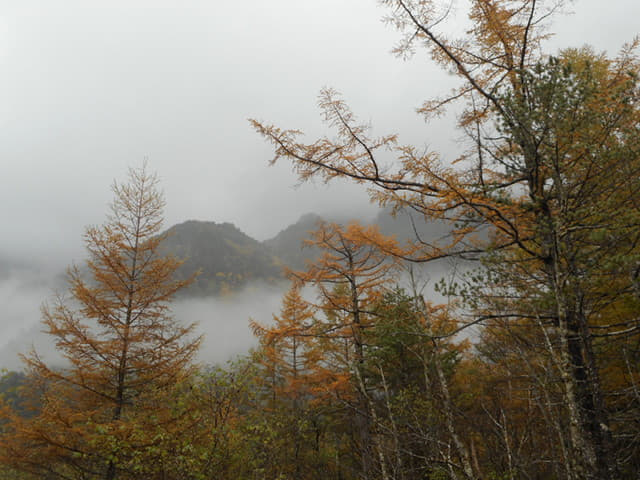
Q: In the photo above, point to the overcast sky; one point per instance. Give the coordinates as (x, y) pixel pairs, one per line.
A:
(89, 88)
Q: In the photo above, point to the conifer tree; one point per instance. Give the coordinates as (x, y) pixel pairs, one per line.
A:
(286, 357)
(108, 411)
(350, 276)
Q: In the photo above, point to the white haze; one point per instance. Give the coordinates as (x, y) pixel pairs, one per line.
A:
(224, 321)
(89, 88)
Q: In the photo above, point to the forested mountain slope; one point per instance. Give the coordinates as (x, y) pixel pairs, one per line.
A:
(228, 259)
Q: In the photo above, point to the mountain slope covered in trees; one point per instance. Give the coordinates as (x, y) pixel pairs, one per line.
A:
(224, 256)
(228, 259)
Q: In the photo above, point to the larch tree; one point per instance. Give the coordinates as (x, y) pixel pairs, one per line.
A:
(549, 181)
(283, 347)
(351, 276)
(108, 412)
(286, 357)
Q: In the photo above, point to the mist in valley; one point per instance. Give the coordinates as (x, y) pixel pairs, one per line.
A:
(223, 320)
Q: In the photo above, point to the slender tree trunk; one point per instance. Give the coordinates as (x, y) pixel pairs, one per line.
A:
(362, 419)
(589, 430)
(124, 355)
(463, 451)
(296, 414)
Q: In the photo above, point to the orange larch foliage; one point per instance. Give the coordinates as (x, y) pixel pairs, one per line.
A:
(106, 411)
(351, 276)
(285, 348)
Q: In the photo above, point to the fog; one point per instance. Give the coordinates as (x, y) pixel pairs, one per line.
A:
(90, 88)
(224, 321)
(23, 289)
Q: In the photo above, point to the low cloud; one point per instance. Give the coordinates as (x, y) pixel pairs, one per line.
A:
(224, 321)
(23, 289)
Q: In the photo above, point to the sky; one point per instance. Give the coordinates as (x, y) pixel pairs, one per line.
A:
(91, 88)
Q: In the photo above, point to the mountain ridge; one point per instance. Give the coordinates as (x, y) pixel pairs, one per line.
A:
(228, 259)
